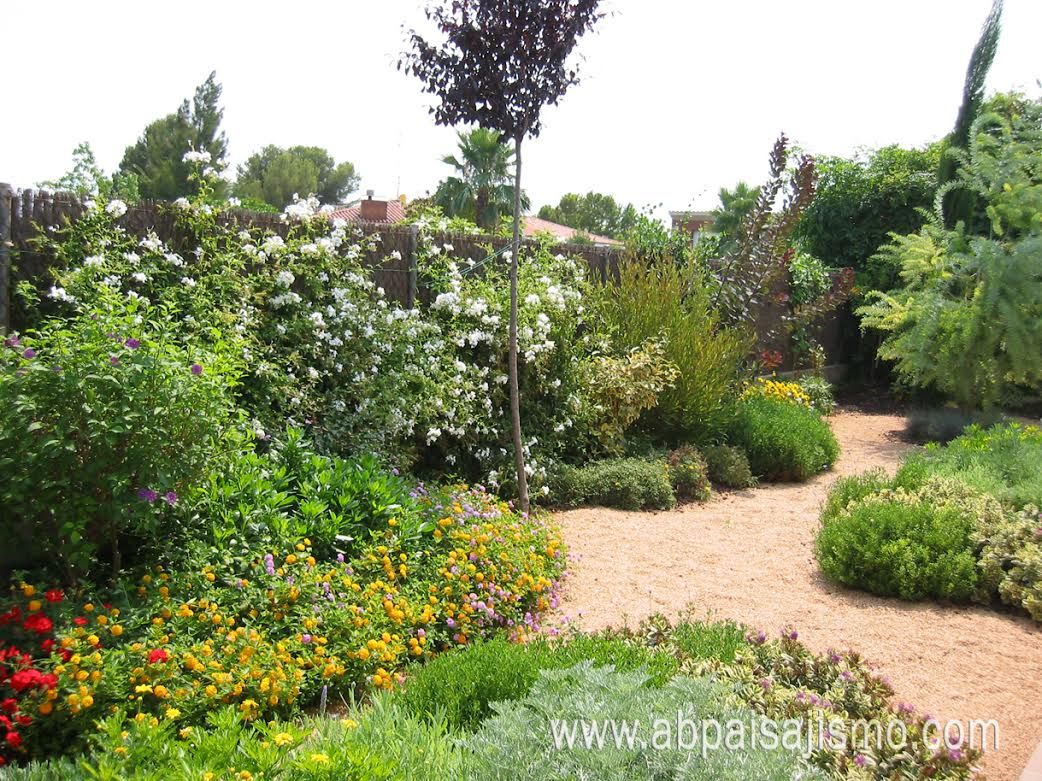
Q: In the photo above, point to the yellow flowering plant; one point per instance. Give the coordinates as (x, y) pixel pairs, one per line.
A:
(266, 637)
(779, 390)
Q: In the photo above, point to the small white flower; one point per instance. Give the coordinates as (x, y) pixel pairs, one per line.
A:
(182, 204)
(138, 276)
(188, 282)
(116, 208)
(94, 261)
(284, 278)
(59, 294)
(192, 156)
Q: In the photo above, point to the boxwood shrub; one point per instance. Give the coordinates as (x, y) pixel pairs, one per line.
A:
(783, 441)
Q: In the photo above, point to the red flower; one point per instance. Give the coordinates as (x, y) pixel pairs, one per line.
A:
(65, 654)
(38, 623)
(5, 723)
(14, 615)
(14, 740)
(47, 645)
(79, 621)
(158, 655)
(55, 595)
(10, 705)
(23, 720)
(26, 679)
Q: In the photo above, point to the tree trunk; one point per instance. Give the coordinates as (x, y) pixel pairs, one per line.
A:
(515, 396)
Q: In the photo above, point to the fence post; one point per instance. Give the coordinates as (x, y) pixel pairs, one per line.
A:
(6, 194)
(411, 292)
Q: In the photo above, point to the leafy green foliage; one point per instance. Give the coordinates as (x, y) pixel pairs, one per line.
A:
(819, 390)
(860, 201)
(626, 483)
(620, 389)
(783, 441)
(1011, 561)
(290, 493)
(728, 466)
(517, 743)
(105, 423)
(275, 175)
(689, 474)
(157, 158)
(462, 686)
(593, 213)
(481, 189)
(673, 303)
(87, 179)
(735, 207)
(1004, 461)
(967, 321)
(895, 544)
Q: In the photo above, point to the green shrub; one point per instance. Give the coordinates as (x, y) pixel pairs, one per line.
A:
(518, 742)
(820, 392)
(671, 301)
(942, 425)
(783, 441)
(728, 466)
(620, 389)
(1004, 461)
(461, 686)
(689, 474)
(895, 543)
(1011, 561)
(276, 498)
(626, 483)
(105, 423)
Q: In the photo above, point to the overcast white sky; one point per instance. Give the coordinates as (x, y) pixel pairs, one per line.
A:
(678, 98)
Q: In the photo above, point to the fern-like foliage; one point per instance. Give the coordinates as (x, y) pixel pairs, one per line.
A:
(968, 319)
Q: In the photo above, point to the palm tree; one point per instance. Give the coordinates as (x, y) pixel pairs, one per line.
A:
(482, 188)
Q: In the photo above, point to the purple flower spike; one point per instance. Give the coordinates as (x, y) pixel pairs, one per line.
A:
(170, 498)
(860, 760)
(12, 341)
(114, 360)
(29, 354)
(147, 494)
(197, 369)
(132, 343)
(305, 639)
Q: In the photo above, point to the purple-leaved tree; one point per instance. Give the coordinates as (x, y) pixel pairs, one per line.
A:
(496, 65)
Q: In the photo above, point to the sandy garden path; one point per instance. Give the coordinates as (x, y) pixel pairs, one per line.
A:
(749, 556)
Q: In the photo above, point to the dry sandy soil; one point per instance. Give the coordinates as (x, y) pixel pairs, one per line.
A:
(749, 556)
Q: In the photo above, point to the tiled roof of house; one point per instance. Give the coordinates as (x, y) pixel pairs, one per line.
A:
(395, 213)
(534, 225)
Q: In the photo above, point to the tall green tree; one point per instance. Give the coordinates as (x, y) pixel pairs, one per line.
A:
(482, 188)
(960, 203)
(735, 205)
(593, 213)
(157, 156)
(499, 63)
(275, 174)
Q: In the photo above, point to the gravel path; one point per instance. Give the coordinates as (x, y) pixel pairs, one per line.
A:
(749, 556)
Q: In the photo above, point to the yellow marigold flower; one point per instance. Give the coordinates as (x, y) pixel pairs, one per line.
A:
(161, 691)
(35, 605)
(87, 701)
(211, 690)
(320, 759)
(121, 750)
(27, 590)
(283, 739)
(349, 723)
(45, 708)
(172, 713)
(88, 608)
(184, 732)
(291, 559)
(116, 630)
(93, 639)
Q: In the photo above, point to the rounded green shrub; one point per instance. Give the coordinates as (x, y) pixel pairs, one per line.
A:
(895, 543)
(626, 483)
(728, 466)
(783, 441)
(689, 474)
